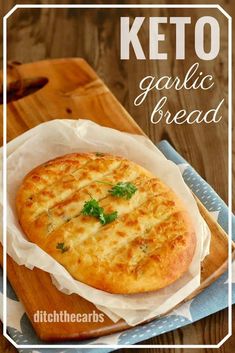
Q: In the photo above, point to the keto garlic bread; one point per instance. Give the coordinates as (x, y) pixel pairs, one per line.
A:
(111, 223)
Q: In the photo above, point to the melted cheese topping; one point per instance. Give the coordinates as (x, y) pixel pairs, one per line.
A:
(148, 246)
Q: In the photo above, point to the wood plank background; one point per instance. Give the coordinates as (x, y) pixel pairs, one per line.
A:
(41, 34)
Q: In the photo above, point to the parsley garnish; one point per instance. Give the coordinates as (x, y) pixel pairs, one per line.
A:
(92, 208)
(106, 218)
(123, 189)
(99, 154)
(62, 248)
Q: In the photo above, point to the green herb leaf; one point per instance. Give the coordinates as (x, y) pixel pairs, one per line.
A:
(99, 154)
(106, 218)
(92, 208)
(61, 247)
(123, 189)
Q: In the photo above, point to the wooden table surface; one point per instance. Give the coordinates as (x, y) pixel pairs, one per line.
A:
(42, 34)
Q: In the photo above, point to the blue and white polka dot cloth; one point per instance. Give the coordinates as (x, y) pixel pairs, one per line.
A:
(211, 300)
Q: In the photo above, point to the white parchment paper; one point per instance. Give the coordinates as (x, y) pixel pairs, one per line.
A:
(58, 137)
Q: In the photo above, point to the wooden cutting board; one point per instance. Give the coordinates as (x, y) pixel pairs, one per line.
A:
(69, 88)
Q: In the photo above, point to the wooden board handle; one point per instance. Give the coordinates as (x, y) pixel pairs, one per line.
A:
(22, 88)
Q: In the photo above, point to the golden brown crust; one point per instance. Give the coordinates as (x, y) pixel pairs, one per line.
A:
(148, 246)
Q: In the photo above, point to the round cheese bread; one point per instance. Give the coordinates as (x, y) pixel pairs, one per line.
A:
(111, 223)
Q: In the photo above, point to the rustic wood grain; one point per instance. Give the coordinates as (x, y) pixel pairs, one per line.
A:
(74, 88)
(36, 292)
(38, 34)
(47, 34)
